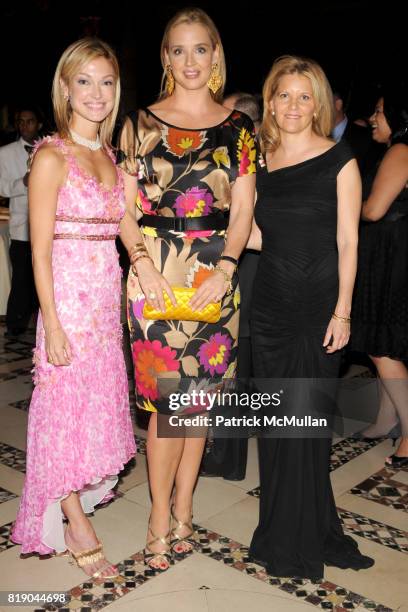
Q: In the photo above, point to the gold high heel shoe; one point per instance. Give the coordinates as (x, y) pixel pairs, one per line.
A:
(90, 556)
(161, 557)
(176, 539)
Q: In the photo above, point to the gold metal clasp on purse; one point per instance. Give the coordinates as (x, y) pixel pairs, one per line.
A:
(183, 311)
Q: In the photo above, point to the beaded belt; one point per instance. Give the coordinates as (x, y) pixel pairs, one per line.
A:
(86, 220)
(82, 237)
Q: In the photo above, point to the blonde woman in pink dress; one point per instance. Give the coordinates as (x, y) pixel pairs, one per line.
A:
(79, 433)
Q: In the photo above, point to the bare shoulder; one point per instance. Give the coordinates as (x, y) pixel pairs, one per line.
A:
(48, 165)
(397, 153)
(49, 155)
(161, 105)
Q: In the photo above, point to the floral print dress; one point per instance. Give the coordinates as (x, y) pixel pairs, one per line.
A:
(183, 173)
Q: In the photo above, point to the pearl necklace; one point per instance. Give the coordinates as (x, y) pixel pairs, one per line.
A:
(93, 145)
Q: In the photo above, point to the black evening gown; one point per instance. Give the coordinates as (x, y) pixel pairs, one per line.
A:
(295, 293)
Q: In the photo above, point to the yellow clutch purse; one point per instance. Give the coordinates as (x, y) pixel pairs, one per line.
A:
(183, 311)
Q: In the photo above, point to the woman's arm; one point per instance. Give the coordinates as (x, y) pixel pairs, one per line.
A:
(151, 281)
(391, 178)
(348, 215)
(46, 177)
(241, 212)
(240, 219)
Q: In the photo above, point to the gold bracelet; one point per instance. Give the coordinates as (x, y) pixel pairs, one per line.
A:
(343, 319)
(136, 246)
(227, 278)
(135, 256)
(141, 256)
(135, 251)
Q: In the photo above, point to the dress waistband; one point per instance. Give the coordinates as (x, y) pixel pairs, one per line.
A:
(85, 219)
(185, 224)
(84, 237)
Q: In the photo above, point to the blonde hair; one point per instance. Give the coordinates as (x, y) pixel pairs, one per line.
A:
(269, 134)
(194, 16)
(76, 55)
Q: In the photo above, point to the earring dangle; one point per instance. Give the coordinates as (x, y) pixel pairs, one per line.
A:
(215, 81)
(169, 80)
(273, 113)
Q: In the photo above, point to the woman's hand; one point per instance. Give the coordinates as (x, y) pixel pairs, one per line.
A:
(339, 334)
(58, 347)
(212, 289)
(153, 284)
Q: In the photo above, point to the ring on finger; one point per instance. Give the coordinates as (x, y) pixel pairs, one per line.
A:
(152, 295)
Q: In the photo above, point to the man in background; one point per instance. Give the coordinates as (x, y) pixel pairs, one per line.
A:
(367, 152)
(13, 185)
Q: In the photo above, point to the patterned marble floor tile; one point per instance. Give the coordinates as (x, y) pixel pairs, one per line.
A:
(384, 488)
(319, 593)
(348, 449)
(383, 534)
(21, 404)
(12, 457)
(6, 495)
(94, 595)
(5, 542)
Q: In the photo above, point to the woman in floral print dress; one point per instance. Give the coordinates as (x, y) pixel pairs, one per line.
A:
(185, 171)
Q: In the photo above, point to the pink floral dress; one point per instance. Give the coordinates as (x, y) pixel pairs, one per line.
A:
(79, 430)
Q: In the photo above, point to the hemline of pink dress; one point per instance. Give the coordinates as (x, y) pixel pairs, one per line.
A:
(80, 432)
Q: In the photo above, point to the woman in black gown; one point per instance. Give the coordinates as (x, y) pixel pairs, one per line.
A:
(307, 213)
(380, 304)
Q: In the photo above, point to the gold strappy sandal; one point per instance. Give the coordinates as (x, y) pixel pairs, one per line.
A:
(160, 557)
(176, 539)
(90, 556)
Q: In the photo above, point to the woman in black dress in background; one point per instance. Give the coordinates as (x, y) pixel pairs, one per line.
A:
(307, 213)
(380, 305)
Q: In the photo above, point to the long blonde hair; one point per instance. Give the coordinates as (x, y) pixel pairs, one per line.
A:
(269, 134)
(194, 16)
(76, 55)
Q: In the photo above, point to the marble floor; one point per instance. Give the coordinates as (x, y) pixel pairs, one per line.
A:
(218, 577)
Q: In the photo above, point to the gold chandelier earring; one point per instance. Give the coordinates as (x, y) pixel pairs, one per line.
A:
(215, 81)
(169, 80)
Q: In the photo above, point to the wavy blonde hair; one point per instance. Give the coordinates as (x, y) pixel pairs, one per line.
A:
(74, 57)
(269, 134)
(194, 16)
